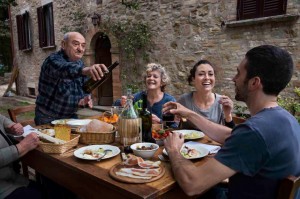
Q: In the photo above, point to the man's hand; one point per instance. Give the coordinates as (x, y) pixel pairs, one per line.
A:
(96, 71)
(15, 129)
(173, 143)
(86, 102)
(177, 109)
(30, 142)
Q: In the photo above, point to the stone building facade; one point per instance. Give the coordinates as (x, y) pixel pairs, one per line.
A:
(183, 31)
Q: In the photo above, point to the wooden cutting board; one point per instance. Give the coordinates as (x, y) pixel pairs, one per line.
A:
(117, 167)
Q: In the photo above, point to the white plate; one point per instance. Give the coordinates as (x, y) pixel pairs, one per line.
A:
(62, 121)
(202, 151)
(77, 123)
(79, 152)
(190, 134)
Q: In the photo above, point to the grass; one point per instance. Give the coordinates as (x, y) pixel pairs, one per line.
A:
(12, 104)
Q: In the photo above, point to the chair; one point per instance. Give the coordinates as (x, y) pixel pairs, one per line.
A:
(238, 120)
(14, 112)
(288, 188)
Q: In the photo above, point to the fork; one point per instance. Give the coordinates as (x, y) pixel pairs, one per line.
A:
(105, 152)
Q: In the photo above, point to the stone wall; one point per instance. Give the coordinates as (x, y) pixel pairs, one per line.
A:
(184, 31)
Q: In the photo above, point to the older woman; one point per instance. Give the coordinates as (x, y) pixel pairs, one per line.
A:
(156, 80)
(203, 100)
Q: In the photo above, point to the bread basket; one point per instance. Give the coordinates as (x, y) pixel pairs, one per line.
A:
(60, 148)
(95, 137)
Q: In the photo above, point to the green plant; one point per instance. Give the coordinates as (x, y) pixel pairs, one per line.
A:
(241, 111)
(133, 4)
(132, 37)
(291, 104)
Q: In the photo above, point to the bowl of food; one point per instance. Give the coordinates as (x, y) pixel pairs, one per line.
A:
(159, 135)
(144, 150)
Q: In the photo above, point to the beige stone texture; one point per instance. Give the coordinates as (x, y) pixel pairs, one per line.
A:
(184, 31)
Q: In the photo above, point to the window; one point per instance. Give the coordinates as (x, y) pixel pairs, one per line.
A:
(249, 9)
(24, 31)
(46, 25)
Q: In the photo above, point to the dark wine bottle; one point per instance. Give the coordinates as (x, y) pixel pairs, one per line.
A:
(92, 84)
(146, 121)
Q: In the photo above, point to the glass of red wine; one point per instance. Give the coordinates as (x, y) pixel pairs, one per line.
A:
(166, 118)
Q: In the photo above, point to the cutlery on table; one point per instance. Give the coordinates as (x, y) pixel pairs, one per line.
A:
(105, 152)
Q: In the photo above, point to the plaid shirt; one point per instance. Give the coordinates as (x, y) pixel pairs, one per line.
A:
(60, 85)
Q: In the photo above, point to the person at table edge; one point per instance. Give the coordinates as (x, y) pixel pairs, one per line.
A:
(12, 183)
(255, 155)
(62, 76)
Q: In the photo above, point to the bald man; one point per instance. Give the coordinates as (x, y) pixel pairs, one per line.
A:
(62, 76)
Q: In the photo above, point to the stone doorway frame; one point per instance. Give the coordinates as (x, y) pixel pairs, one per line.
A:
(89, 59)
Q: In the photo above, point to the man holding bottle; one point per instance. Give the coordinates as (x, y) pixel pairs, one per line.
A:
(61, 79)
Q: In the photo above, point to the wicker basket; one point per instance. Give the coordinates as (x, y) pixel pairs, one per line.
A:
(96, 137)
(60, 148)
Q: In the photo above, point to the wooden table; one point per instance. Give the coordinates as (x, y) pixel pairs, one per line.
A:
(90, 179)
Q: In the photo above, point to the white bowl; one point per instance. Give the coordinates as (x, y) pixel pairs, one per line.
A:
(146, 154)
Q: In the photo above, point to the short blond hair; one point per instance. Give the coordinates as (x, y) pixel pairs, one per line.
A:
(164, 76)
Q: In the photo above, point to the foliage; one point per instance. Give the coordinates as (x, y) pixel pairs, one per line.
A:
(6, 3)
(131, 36)
(133, 4)
(291, 104)
(241, 111)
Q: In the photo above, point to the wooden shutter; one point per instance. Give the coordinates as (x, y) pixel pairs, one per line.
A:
(249, 9)
(274, 7)
(52, 38)
(27, 41)
(41, 25)
(20, 30)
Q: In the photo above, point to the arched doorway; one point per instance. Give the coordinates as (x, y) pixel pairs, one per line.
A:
(103, 55)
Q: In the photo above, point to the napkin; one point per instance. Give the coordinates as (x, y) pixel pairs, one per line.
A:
(210, 148)
(29, 129)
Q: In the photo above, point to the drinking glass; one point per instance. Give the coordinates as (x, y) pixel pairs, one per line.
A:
(167, 117)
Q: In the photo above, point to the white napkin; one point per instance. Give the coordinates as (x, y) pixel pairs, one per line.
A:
(29, 129)
(210, 148)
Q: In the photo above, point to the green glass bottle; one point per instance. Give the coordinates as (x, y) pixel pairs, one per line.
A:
(146, 117)
(92, 84)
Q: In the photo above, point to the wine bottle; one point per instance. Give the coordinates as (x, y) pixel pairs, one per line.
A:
(92, 84)
(146, 121)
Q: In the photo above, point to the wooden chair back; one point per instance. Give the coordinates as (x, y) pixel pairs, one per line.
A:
(14, 112)
(288, 188)
(238, 120)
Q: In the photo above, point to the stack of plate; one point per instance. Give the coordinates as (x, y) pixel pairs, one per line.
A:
(78, 122)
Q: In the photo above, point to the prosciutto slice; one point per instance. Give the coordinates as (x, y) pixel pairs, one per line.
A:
(141, 172)
(119, 173)
(148, 164)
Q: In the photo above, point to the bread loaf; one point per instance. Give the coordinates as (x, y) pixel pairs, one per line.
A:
(98, 126)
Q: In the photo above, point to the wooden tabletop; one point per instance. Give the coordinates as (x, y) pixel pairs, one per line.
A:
(90, 179)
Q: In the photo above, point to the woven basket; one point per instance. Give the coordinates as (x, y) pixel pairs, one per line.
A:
(60, 148)
(96, 137)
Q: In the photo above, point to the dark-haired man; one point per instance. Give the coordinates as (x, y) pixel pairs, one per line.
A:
(257, 154)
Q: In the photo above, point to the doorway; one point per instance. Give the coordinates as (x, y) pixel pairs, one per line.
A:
(103, 56)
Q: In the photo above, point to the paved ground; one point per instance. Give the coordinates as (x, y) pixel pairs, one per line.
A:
(13, 101)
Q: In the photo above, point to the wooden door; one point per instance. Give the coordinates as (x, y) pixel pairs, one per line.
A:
(103, 56)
